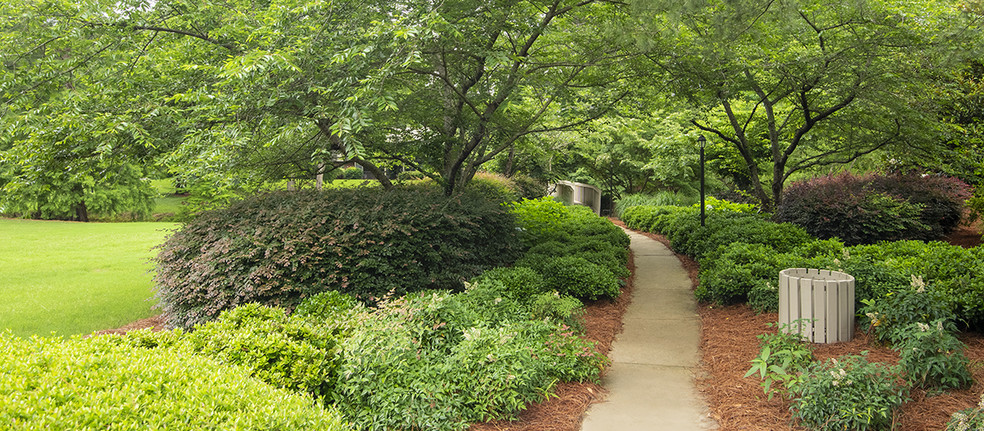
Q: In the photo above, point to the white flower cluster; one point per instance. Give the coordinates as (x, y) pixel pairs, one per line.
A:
(919, 284)
(839, 375)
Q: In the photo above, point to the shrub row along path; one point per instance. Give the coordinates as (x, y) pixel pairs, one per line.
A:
(651, 378)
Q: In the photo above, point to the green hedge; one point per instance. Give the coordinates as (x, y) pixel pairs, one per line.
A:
(741, 255)
(99, 383)
(279, 248)
(722, 227)
(575, 252)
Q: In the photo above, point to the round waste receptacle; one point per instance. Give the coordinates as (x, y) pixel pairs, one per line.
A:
(817, 303)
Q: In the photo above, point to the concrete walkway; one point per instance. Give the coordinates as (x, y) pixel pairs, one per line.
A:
(651, 379)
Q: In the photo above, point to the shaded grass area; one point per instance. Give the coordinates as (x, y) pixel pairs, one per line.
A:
(168, 204)
(71, 278)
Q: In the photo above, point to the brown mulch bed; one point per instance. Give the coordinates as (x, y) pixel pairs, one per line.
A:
(728, 343)
(156, 323)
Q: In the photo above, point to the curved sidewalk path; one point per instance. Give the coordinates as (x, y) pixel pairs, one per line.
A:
(651, 378)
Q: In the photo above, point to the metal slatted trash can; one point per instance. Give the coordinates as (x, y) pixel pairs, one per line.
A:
(819, 304)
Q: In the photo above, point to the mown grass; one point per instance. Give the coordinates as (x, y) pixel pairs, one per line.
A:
(73, 278)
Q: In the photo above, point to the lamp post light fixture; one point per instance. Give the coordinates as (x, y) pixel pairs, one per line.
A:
(701, 141)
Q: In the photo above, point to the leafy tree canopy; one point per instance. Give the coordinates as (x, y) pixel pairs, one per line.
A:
(251, 91)
(794, 85)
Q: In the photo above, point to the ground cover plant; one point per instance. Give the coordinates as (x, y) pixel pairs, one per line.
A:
(74, 278)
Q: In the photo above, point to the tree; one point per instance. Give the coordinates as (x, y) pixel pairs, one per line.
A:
(69, 142)
(793, 85)
(265, 90)
(497, 72)
(623, 155)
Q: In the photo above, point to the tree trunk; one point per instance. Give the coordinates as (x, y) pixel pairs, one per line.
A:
(508, 171)
(81, 212)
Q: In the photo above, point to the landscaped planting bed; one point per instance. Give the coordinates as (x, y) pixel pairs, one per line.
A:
(433, 358)
(907, 367)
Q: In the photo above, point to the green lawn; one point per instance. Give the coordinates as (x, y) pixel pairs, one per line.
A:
(71, 278)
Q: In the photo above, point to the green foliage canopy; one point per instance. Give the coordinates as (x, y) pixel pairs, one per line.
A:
(240, 92)
(798, 84)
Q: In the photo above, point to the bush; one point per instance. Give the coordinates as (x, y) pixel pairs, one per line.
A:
(932, 357)
(554, 307)
(782, 360)
(714, 204)
(888, 317)
(867, 209)
(528, 187)
(941, 198)
(737, 269)
(99, 383)
(326, 306)
(577, 277)
(952, 270)
(440, 361)
(645, 217)
(663, 198)
(598, 251)
(518, 282)
(410, 176)
(848, 393)
(873, 278)
(494, 187)
(279, 248)
(764, 298)
(541, 220)
(722, 228)
(284, 351)
(353, 173)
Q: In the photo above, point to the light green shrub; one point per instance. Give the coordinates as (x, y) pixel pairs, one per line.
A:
(714, 204)
(99, 383)
(577, 277)
(327, 306)
(541, 220)
(287, 352)
(518, 282)
(440, 361)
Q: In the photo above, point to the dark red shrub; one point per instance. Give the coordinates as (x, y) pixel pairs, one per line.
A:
(942, 199)
(871, 208)
(279, 248)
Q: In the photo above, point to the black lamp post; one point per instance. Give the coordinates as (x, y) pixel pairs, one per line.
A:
(701, 141)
